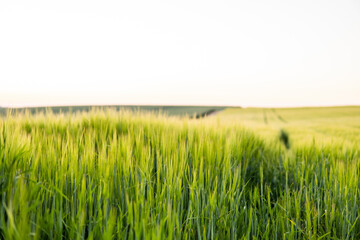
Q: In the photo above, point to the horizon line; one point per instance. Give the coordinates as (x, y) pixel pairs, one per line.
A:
(19, 106)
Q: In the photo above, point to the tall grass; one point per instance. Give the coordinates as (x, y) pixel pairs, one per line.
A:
(108, 175)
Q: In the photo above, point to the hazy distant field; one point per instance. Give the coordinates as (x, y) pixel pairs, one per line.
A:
(327, 125)
(190, 111)
(106, 174)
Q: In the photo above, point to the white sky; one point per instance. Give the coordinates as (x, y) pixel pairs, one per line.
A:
(247, 53)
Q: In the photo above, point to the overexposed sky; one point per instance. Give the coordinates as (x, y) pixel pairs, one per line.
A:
(247, 53)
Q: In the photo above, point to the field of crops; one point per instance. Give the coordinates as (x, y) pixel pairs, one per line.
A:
(191, 111)
(107, 174)
(335, 126)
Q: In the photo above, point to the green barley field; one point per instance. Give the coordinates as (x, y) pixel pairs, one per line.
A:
(132, 174)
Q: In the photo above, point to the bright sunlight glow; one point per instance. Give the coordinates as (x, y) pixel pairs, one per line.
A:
(246, 53)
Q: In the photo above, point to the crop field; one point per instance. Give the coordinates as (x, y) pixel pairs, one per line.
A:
(325, 126)
(239, 174)
(190, 111)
